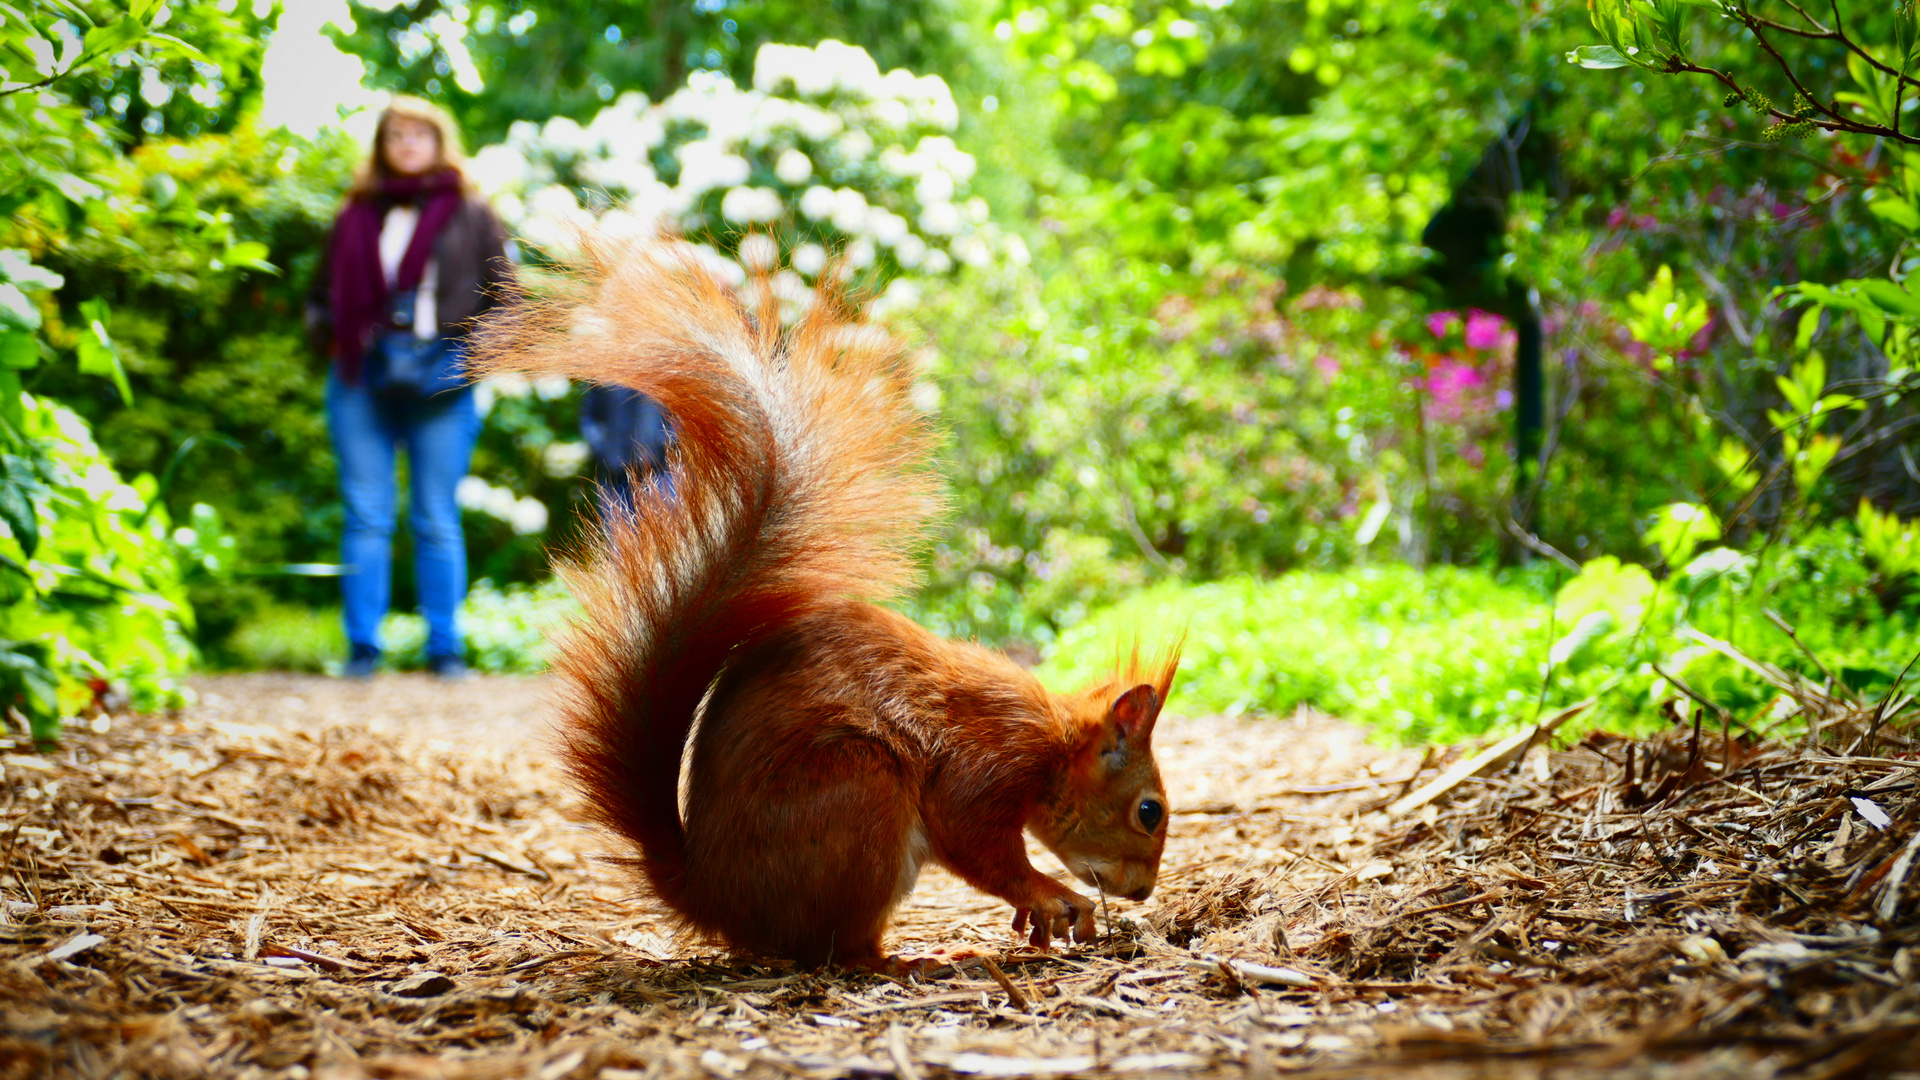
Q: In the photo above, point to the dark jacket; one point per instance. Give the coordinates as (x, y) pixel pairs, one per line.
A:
(624, 428)
(471, 253)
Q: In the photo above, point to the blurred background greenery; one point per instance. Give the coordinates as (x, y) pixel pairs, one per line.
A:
(1434, 363)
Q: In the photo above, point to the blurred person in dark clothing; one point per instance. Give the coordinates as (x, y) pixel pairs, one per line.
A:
(628, 434)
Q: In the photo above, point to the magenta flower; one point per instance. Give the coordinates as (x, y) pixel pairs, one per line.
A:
(1483, 329)
(1442, 322)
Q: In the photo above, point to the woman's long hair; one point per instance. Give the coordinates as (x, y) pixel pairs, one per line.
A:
(374, 171)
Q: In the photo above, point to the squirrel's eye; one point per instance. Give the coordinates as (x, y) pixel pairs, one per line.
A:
(1150, 814)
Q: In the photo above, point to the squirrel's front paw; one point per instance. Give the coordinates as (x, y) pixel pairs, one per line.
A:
(1056, 914)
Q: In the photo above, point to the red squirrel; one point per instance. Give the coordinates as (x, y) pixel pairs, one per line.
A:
(836, 745)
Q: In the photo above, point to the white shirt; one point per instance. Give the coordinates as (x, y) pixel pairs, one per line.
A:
(396, 232)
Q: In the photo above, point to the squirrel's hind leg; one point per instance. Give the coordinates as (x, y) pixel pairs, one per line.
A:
(807, 856)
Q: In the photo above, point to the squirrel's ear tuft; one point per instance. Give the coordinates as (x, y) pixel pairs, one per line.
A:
(1134, 712)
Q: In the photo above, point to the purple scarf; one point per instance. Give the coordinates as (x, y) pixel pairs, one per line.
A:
(359, 285)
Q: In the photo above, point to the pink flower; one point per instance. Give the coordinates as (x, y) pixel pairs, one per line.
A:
(1454, 386)
(1327, 366)
(1483, 329)
(1442, 322)
(1617, 217)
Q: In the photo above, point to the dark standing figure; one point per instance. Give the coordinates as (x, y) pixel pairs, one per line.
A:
(414, 256)
(1467, 237)
(628, 434)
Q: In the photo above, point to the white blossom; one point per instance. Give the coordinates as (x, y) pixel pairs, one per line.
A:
(810, 114)
(758, 251)
(528, 516)
(751, 205)
(935, 186)
(499, 167)
(886, 227)
(809, 258)
(818, 203)
(471, 492)
(855, 145)
(901, 295)
(893, 114)
(563, 459)
(619, 173)
(793, 167)
(720, 266)
(849, 210)
(565, 134)
(510, 386)
(791, 288)
(940, 219)
(706, 164)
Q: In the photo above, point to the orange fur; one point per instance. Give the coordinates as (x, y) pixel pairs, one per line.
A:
(836, 745)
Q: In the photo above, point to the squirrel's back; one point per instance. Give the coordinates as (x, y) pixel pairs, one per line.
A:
(799, 479)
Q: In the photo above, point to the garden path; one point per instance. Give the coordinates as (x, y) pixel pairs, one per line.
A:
(299, 878)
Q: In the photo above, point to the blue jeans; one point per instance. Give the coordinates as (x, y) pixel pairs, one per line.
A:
(438, 434)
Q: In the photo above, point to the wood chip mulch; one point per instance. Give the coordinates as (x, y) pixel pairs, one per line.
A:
(300, 879)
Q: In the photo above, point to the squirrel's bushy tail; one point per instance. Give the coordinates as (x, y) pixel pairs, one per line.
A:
(798, 477)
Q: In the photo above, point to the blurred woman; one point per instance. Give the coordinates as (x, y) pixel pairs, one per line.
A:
(415, 255)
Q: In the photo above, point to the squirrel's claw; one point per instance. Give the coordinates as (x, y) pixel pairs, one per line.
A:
(1068, 917)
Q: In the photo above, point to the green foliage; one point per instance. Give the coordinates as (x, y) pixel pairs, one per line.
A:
(93, 602)
(1439, 655)
(493, 64)
(1113, 422)
(206, 259)
(144, 68)
(287, 637)
(1892, 544)
(508, 632)
(1453, 653)
(92, 597)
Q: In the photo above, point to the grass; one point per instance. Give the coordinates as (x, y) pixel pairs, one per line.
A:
(1454, 652)
(506, 633)
(1436, 655)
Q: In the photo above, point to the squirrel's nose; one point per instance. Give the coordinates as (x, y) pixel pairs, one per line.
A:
(1141, 893)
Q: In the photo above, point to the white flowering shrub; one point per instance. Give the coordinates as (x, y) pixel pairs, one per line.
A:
(822, 155)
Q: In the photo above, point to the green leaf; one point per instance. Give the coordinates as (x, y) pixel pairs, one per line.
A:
(167, 43)
(1679, 528)
(1891, 298)
(97, 353)
(1811, 460)
(19, 349)
(1600, 57)
(17, 487)
(1809, 326)
(17, 267)
(250, 254)
(1898, 212)
(1592, 626)
(113, 37)
(16, 311)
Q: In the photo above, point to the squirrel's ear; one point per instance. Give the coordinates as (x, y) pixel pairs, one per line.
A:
(1134, 712)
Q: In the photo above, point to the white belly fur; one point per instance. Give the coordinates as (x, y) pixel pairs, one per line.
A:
(913, 855)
